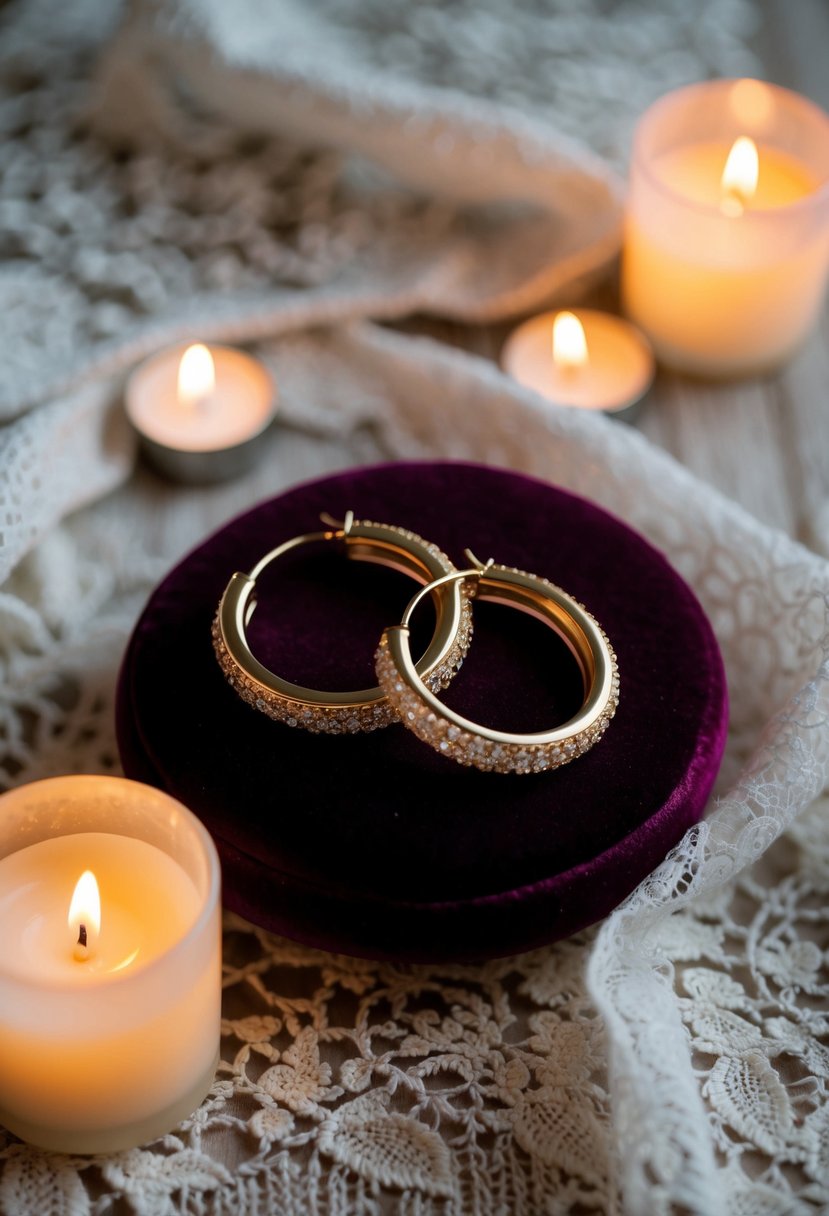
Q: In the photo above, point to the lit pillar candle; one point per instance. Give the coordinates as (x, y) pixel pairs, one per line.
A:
(111, 963)
(201, 411)
(727, 231)
(584, 358)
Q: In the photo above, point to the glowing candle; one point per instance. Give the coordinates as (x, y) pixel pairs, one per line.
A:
(727, 231)
(84, 917)
(738, 184)
(200, 411)
(582, 358)
(110, 972)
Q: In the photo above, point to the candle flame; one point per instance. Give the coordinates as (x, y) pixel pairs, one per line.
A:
(569, 342)
(196, 375)
(84, 917)
(739, 177)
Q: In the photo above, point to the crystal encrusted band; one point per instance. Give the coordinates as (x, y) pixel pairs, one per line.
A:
(497, 751)
(335, 719)
(343, 712)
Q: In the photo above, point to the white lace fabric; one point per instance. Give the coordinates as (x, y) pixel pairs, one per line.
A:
(673, 1058)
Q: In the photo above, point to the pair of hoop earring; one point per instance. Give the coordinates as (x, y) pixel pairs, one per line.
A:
(407, 688)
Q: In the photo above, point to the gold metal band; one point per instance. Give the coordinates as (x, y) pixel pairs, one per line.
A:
(368, 708)
(493, 750)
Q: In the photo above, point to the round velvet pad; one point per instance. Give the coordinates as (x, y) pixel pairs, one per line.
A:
(373, 844)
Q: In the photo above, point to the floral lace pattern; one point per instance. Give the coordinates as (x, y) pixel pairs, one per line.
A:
(751, 973)
(676, 1057)
(395, 1079)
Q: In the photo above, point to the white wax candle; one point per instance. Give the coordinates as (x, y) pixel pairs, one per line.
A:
(149, 903)
(724, 281)
(237, 406)
(611, 371)
(200, 410)
(106, 1047)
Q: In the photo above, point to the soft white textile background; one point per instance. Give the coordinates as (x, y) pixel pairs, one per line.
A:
(703, 1082)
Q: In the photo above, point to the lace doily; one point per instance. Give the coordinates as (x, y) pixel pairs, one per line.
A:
(676, 1057)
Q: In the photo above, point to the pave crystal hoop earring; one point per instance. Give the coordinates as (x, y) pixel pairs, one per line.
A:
(497, 751)
(368, 708)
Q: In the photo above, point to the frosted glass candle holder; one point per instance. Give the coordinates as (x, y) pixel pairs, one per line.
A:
(724, 283)
(107, 1047)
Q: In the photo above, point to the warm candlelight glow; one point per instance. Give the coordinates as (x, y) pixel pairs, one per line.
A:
(196, 375)
(740, 175)
(84, 917)
(569, 342)
(613, 377)
(108, 1045)
(725, 256)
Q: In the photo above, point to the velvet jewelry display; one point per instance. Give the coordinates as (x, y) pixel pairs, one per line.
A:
(372, 844)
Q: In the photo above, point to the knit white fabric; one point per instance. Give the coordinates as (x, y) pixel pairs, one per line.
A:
(674, 1058)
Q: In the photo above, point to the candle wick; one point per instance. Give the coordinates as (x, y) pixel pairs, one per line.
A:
(82, 951)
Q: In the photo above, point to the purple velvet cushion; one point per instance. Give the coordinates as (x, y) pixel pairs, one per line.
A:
(374, 844)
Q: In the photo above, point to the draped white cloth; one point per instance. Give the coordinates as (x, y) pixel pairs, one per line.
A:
(287, 176)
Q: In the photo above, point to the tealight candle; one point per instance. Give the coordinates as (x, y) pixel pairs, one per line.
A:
(583, 358)
(111, 963)
(200, 411)
(727, 231)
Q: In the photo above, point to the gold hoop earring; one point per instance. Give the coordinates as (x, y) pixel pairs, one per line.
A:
(497, 751)
(365, 709)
